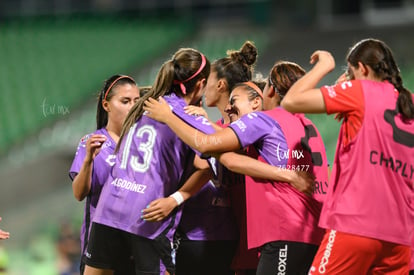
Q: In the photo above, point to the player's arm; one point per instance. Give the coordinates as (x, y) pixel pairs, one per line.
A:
(159, 209)
(221, 141)
(81, 184)
(302, 97)
(246, 165)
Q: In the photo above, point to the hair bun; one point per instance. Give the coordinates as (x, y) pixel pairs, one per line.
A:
(246, 55)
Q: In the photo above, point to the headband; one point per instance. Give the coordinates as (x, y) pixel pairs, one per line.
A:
(115, 81)
(254, 87)
(203, 64)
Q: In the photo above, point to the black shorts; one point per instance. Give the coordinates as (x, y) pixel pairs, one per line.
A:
(109, 247)
(283, 257)
(125, 267)
(205, 257)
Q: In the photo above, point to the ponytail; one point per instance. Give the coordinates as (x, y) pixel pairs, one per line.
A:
(177, 75)
(161, 85)
(405, 103)
(376, 54)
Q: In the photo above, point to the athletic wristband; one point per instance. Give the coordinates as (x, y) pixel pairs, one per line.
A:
(178, 197)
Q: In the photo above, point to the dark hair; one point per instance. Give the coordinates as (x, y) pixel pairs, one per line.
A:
(172, 74)
(106, 93)
(237, 66)
(283, 75)
(260, 81)
(143, 90)
(378, 56)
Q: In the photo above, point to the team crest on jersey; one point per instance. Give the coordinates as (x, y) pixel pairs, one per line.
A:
(107, 143)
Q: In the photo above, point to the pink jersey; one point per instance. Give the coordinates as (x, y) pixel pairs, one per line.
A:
(371, 187)
(313, 142)
(275, 210)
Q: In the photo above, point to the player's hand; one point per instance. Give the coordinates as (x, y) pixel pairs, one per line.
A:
(304, 182)
(342, 78)
(94, 145)
(324, 60)
(195, 110)
(158, 209)
(158, 110)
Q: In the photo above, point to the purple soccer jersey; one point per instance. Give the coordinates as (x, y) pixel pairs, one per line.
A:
(208, 215)
(152, 163)
(265, 134)
(102, 165)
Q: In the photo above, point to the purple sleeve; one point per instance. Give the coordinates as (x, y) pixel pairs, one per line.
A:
(199, 122)
(251, 128)
(79, 157)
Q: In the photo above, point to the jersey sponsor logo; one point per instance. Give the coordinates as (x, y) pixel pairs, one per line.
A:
(128, 185)
(242, 126)
(403, 168)
(282, 265)
(320, 187)
(331, 91)
(327, 253)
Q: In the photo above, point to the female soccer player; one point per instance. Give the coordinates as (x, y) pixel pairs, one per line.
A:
(281, 77)
(368, 212)
(202, 234)
(151, 162)
(94, 157)
(282, 215)
(223, 201)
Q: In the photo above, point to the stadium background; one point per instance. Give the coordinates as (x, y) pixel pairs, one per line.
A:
(55, 55)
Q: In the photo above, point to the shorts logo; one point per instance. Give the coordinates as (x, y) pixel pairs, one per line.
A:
(88, 255)
(327, 253)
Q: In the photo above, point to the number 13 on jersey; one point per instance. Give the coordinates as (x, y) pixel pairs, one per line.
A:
(147, 135)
